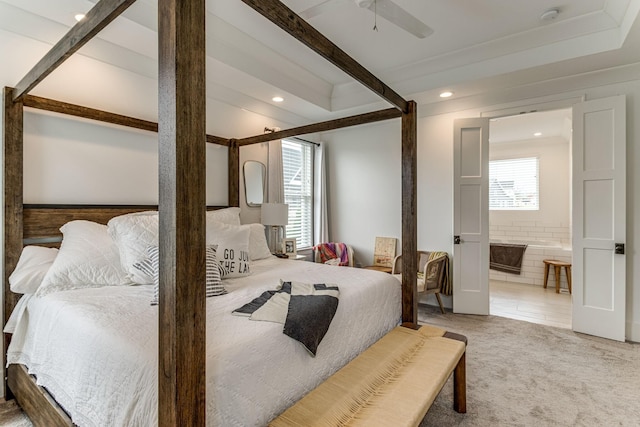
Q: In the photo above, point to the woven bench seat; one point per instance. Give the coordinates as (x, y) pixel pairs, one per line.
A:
(392, 383)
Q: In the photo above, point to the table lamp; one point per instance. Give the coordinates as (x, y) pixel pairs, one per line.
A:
(276, 216)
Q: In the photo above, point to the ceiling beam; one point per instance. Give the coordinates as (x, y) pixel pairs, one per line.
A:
(96, 19)
(289, 21)
(52, 105)
(360, 119)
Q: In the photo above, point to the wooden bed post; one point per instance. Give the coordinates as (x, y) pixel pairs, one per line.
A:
(13, 184)
(182, 163)
(409, 216)
(234, 173)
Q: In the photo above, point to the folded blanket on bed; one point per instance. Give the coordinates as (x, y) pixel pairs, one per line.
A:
(305, 310)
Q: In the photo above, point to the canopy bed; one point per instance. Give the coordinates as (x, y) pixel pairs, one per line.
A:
(182, 326)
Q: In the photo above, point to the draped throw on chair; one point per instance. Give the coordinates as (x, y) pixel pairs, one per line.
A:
(333, 253)
(447, 289)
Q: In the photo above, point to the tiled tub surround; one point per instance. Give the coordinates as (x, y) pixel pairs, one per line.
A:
(545, 241)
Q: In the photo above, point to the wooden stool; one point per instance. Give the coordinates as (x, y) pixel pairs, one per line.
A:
(557, 267)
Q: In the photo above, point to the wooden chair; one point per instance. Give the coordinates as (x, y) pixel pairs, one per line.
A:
(431, 273)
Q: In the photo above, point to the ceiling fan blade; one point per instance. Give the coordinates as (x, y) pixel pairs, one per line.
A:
(400, 17)
(325, 6)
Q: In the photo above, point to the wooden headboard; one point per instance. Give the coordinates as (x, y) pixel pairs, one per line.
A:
(41, 223)
(41, 226)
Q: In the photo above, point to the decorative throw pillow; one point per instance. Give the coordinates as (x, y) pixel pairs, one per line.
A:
(213, 282)
(88, 257)
(33, 265)
(133, 234)
(233, 247)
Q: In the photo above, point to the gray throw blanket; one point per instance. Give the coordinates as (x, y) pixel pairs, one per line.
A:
(305, 310)
(506, 257)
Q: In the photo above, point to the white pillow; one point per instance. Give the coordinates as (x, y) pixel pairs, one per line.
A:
(233, 247)
(88, 257)
(258, 246)
(227, 216)
(213, 279)
(32, 266)
(133, 234)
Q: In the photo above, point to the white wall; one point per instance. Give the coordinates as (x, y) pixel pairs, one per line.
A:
(365, 174)
(363, 186)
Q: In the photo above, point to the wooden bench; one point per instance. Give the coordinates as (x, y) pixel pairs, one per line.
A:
(392, 383)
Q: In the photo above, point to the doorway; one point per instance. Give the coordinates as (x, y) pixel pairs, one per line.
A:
(530, 204)
(598, 215)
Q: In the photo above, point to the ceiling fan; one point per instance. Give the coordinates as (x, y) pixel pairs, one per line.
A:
(385, 8)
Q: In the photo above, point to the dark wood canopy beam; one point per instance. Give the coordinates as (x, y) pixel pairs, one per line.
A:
(52, 105)
(182, 166)
(360, 119)
(13, 198)
(289, 21)
(96, 19)
(409, 216)
(234, 173)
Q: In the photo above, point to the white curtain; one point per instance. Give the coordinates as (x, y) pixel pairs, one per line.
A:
(276, 177)
(320, 217)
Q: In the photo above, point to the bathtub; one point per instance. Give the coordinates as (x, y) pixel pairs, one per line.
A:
(532, 266)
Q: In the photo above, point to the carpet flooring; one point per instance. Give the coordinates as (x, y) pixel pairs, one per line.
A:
(525, 374)
(522, 374)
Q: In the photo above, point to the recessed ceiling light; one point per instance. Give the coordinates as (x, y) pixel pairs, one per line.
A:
(446, 94)
(79, 17)
(277, 99)
(537, 134)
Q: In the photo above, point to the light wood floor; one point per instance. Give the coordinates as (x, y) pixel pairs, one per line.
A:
(531, 303)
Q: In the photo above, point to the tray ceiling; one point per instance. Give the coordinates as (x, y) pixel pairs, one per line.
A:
(250, 60)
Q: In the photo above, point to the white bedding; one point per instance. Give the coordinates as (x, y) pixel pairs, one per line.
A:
(96, 351)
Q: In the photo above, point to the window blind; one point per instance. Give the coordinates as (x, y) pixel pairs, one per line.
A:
(513, 184)
(297, 168)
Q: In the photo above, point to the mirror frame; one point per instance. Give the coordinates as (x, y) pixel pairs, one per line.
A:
(251, 181)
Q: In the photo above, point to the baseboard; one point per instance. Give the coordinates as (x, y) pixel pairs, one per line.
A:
(633, 331)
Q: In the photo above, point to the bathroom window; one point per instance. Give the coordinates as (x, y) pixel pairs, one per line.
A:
(297, 168)
(513, 184)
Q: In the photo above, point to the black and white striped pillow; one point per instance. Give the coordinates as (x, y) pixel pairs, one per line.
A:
(213, 282)
(214, 286)
(145, 269)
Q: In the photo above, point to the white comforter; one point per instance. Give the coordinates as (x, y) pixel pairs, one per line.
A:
(96, 350)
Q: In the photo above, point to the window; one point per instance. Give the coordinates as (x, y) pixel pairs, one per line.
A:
(513, 184)
(297, 168)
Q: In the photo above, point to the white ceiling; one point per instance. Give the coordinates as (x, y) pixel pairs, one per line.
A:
(524, 127)
(495, 42)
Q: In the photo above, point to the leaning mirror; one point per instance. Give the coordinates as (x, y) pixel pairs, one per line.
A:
(254, 182)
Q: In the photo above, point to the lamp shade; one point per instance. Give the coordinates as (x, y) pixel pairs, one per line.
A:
(275, 214)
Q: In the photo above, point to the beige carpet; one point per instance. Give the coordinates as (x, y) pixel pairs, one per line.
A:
(524, 374)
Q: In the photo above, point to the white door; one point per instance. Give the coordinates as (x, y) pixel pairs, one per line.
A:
(599, 203)
(471, 216)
